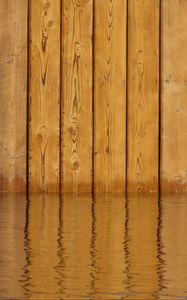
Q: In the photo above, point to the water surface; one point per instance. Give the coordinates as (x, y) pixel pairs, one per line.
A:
(106, 247)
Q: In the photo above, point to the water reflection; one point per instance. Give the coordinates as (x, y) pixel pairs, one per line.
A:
(106, 247)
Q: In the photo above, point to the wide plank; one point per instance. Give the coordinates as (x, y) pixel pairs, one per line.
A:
(13, 95)
(173, 96)
(110, 95)
(44, 96)
(143, 96)
(76, 106)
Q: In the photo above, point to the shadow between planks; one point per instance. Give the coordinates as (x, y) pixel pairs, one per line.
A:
(93, 96)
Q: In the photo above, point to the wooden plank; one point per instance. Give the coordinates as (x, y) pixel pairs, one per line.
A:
(173, 96)
(13, 90)
(76, 110)
(110, 96)
(44, 107)
(143, 95)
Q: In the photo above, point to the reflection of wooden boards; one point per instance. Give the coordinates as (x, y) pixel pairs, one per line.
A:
(13, 86)
(110, 96)
(174, 240)
(143, 95)
(76, 113)
(174, 96)
(109, 258)
(12, 224)
(41, 247)
(142, 220)
(44, 95)
(77, 235)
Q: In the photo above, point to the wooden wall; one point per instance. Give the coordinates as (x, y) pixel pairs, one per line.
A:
(93, 95)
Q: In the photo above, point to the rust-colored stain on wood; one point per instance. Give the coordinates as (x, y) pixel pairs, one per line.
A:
(104, 109)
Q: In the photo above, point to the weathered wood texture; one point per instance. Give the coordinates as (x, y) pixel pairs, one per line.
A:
(13, 91)
(143, 95)
(44, 97)
(174, 96)
(76, 112)
(110, 96)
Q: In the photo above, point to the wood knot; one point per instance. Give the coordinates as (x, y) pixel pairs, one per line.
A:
(73, 133)
(47, 5)
(72, 130)
(50, 24)
(77, 49)
(42, 135)
(81, 2)
(75, 165)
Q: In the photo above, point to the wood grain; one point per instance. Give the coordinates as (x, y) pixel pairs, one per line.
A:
(76, 110)
(110, 96)
(13, 91)
(173, 96)
(143, 95)
(44, 101)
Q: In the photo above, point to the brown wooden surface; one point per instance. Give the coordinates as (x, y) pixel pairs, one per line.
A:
(13, 91)
(110, 96)
(174, 96)
(85, 57)
(76, 113)
(143, 95)
(44, 101)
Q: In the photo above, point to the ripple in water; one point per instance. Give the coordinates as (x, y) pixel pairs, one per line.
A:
(79, 247)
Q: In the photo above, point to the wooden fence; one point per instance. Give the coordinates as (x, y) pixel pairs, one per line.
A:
(93, 95)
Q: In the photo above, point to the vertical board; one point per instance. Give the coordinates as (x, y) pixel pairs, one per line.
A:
(110, 96)
(44, 107)
(173, 96)
(143, 95)
(76, 112)
(13, 90)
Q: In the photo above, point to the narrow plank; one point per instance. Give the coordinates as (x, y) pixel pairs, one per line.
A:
(76, 110)
(13, 91)
(110, 96)
(44, 107)
(173, 96)
(143, 95)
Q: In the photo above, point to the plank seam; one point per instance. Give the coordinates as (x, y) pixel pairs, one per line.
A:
(159, 102)
(93, 97)
(60, 105)
(127, 56)
(28, 98)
